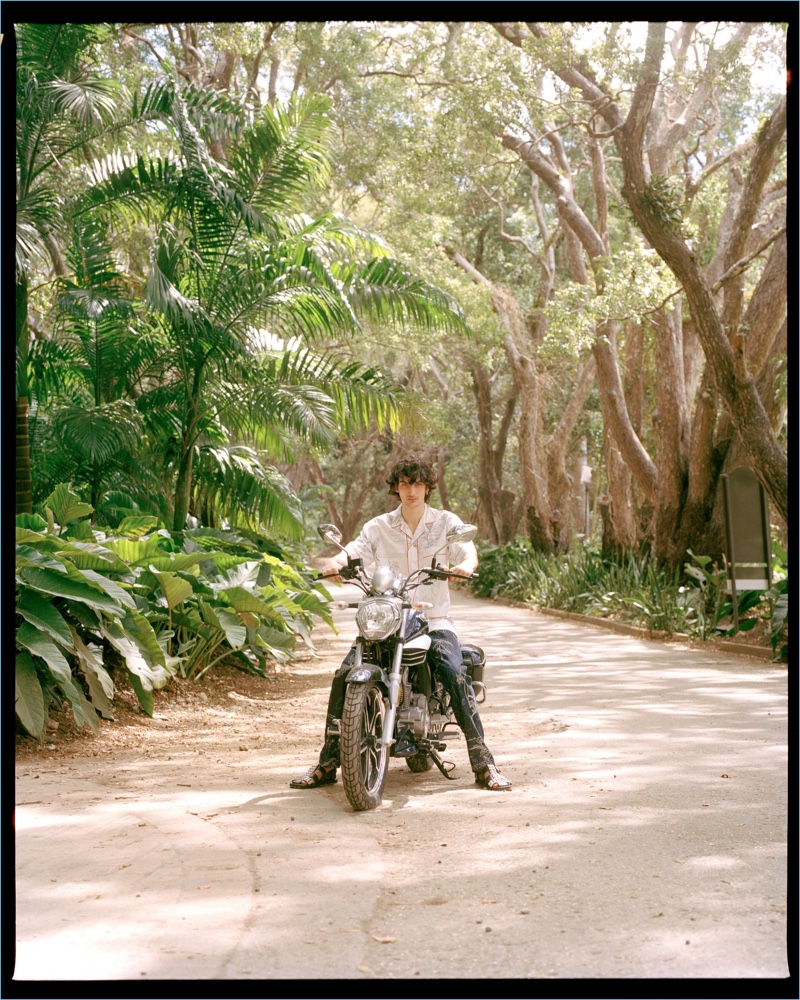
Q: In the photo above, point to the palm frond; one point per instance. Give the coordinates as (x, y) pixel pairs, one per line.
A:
(283, 154)
(91, 102)
(96, 435)
(385, 291)
(130, 188)
(56, 50)
(336, 237)
(162, 291)
(232, 483)
(54, 370)
(274, 415)
(38, 215)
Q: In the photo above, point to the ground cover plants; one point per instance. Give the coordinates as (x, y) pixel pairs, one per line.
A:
(150, 602)
(632, 588)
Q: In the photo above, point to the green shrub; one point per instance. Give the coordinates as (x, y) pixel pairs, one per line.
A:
(631, 588)
(150, 601)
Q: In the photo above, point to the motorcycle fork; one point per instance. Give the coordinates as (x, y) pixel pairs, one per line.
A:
(395, 678)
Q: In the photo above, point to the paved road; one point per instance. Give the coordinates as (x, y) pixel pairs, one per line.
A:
(645, 837)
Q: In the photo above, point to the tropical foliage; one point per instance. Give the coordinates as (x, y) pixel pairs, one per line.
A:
(139, 598)
(214, 334)
(690, 600)
(190, 334)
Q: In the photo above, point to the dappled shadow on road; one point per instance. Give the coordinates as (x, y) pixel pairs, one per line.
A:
(645, 835)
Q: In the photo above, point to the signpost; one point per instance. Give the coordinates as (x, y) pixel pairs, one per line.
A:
(747, 530)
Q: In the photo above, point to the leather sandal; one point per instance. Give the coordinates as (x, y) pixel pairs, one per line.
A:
(492, 780)
(316, 775)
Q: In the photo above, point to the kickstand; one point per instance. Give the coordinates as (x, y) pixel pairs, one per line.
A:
(437, 760)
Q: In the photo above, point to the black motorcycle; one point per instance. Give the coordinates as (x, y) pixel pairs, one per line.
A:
(393, 707)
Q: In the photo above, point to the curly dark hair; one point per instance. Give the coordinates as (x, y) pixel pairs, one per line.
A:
(415, 471)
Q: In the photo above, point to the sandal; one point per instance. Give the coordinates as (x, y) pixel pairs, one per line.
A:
(492, 780)
(314, 776)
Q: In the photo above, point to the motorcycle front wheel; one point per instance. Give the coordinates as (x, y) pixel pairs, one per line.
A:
(364, 759)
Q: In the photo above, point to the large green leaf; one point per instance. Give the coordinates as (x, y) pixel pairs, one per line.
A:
(140, 630)
(143, 694)
(235, 632)
(135, 527)
(236, 572)
(279, 645)
(80, 531)
(143, 658)
(175, 590)
(76, 700)
(59, 585)
(89, 711)
(33, 521)
(178, 561)
(42, 645)
(101, 687)
(66, 505)
(40, 612)
(312, 604)
(29, 699)
(34, 548)
(136, 553)
(88, 617)
(112, 588)
(245, 600)
(90, 555)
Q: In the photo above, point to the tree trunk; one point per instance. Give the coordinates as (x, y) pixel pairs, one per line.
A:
(673, 434)
(495, 505)
(183, 486)
(725, 359)
(24, 499)
(561, 484)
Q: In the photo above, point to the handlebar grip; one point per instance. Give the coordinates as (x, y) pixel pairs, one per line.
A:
(444, 574)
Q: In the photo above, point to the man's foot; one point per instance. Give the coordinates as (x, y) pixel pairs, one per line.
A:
(492, 779)
(314, 776)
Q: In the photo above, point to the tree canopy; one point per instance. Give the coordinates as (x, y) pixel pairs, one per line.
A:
(606, 201)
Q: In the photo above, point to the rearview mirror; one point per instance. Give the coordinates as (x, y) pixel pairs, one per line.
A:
(461, 533)
(330, 533)
(458, 533)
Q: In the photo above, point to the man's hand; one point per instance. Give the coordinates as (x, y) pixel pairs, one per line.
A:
(331, 567)
(463, 569)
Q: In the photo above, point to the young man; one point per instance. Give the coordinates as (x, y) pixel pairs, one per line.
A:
(406, 540)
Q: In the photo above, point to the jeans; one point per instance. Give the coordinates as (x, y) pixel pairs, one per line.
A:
(447, 667)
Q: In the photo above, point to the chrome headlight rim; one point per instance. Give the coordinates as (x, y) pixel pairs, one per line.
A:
(377, 618)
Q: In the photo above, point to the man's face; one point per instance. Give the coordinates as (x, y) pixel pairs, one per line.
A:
(411, 494)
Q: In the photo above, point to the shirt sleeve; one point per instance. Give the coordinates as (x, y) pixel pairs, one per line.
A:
(463, 552)
(359, 548)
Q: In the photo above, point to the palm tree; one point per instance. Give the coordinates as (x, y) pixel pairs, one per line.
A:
(64, 108)
(85, 426)
(237, 269)
(240, 284)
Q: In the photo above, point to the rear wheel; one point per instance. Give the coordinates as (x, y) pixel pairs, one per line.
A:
(364, 759)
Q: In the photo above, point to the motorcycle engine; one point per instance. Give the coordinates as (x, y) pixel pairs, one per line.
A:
(416, 717)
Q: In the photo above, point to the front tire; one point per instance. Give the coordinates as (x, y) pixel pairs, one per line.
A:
(364, 759)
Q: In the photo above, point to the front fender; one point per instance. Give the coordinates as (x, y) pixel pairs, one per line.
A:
(366, 672)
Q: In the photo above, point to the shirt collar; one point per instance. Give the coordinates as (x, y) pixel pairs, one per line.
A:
(397, 521)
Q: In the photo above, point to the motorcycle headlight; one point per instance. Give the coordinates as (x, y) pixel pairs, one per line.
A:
(376, 619)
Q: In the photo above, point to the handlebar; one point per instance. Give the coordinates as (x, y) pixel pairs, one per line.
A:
(355, 572)
(444, 574)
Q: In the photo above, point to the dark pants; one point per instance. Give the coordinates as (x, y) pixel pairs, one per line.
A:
(447, 666)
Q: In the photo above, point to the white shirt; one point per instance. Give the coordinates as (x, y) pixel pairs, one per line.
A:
(387, 540)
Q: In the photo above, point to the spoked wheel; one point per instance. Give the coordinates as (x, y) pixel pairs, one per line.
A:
(419, 762)
(364, 760)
